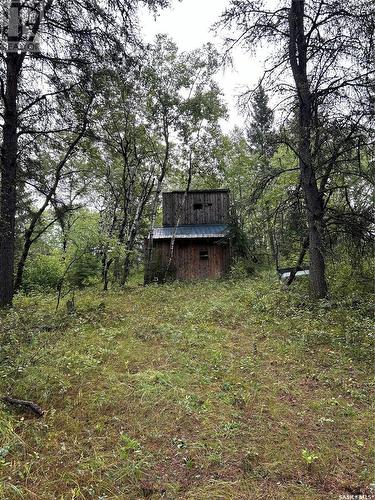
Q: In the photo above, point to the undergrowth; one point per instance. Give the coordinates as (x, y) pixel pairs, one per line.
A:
(236, 389)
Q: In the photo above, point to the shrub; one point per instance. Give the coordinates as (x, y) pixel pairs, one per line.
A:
(85, 271)
(43, 272)
(242, 268)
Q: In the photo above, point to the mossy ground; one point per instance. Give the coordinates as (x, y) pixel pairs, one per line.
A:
(215, 390)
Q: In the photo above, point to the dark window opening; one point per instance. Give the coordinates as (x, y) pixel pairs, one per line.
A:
(199, 206)
(203, 255)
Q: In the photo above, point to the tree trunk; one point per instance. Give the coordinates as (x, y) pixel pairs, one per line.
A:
(150, 240)
(22, 262)
(106, 263)
(8, 182)
(313, 199)
(316, 244)
(134, 230)
(271, 240)
(179, 214)
(126, 270)
(159, 186)
(305, 246)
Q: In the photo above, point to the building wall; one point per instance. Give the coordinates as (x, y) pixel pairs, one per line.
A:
(193, 259)
(200, 207)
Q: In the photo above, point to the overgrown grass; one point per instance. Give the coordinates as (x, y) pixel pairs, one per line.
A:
(216, 390)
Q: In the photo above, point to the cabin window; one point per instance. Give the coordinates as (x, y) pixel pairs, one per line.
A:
(203, 255)
(200, 206)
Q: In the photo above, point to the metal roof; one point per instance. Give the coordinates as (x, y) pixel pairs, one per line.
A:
(194, 231)
(192, 191)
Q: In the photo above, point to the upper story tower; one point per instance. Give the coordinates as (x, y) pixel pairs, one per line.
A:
(209, 206)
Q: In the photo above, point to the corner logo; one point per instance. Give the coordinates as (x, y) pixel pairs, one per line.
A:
(17, 24)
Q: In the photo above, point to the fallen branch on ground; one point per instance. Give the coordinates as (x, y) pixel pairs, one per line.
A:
(33, 407)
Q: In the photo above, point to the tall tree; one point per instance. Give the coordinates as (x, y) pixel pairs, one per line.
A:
(124, 172)
(298, 57)
(259, 130)
(327, 49)
(46, 175)
(71, 47)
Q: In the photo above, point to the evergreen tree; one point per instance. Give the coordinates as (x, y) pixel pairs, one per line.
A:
(259, 133)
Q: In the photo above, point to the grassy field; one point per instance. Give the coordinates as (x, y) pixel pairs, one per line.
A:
(216, 390)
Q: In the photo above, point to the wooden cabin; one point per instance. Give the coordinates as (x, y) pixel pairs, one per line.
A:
(198, 222)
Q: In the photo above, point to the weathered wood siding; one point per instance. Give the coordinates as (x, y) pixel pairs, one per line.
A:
(201, 207)
(187, 261)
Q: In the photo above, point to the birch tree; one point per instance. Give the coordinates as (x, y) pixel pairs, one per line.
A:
(75, 39)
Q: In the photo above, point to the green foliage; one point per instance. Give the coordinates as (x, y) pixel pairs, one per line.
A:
(260, 133)
(309, 456)
(351, 281)
(82, 261)
(78, 266)
(128, 446)
(43, 272)
(242, 268)
(85, 271)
